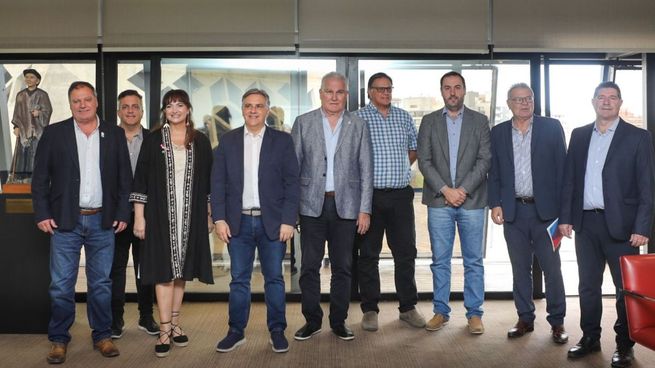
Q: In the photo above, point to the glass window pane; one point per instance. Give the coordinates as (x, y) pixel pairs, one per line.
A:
(55, 80)
(632, 93)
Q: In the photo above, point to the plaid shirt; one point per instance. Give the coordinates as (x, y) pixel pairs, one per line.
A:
(391, 138)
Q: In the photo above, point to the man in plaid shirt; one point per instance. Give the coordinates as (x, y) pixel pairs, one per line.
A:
(393, 137)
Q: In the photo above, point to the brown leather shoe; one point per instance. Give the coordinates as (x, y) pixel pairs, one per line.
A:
(106, 348)
(57, 354)
(520, 328)
(559, 335)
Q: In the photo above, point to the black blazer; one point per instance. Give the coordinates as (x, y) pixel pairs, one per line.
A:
(279, 185)
(56, 176)
(628, 178)
(547, 157)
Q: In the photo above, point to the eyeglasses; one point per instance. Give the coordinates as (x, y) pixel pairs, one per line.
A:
(249, 106)
(520, 100)
(330, 93)
(382, 89)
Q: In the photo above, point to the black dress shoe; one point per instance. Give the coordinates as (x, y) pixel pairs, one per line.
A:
(307, 331)
(559, 335)
(520, 329)
(622, 357)
(343, 332)
(585, 346)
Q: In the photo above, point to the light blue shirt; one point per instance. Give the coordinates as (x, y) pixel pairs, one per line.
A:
(593, 179)
(522, 148)
(331, 140)
(454, 131)
(88, 154)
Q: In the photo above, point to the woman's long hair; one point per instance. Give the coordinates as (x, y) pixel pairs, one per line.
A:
(178, 95)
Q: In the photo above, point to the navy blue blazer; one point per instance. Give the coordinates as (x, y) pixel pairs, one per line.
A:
(547, 157)
(279, 186)
(56, 176)
(628, 178)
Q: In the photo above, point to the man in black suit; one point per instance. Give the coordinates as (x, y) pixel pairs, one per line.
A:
(607, 198)
(527, 164)
(80, 189)
(130, 112)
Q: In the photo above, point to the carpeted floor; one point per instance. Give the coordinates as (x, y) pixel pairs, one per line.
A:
(394, 345)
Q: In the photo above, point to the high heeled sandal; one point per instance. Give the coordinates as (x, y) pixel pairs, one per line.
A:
(162, 349)
(181, 339)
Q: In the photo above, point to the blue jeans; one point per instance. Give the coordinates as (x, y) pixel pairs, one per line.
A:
(470, 225)
(242, 254)
(65, 249)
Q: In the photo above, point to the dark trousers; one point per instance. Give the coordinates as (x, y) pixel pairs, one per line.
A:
(145, 293)
(339, 234)
(393, 211)
(528, 236)
(594, 247)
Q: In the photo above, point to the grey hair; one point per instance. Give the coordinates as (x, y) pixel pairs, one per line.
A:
(518, 85)
(334, 75)
(257, 91)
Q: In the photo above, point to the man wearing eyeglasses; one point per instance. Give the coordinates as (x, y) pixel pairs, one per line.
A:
(527, 165)
(607, 198)
(254, 202)
(336, 185)
(454, 157)
(393, 138)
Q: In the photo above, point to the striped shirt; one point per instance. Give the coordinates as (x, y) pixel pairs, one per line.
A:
(522, 143)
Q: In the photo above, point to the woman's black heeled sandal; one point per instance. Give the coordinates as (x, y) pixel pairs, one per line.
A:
(162, 349)
(181, 339)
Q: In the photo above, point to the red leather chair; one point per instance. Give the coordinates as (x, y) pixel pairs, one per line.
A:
(638, 274)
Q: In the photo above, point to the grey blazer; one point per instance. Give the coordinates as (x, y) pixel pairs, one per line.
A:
(473, 158)
(353, 165)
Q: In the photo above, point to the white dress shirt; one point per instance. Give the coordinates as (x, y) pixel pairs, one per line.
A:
(88, 154)
(252, 146)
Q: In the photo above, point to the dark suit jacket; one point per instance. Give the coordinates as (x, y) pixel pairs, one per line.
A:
(628, 178)
(56, 177)
(279, 188)
(547, 157)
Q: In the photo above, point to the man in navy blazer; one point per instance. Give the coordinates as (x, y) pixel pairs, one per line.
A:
(255, 194)
(607, 198)
(527, 164)
(80, 187)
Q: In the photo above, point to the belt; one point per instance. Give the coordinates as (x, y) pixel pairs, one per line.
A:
(525, 200)
(252, 211)
(595, 210)
(387, 189)
(329, 194)
(90, 211)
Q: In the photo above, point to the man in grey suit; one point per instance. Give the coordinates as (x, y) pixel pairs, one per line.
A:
(336, 187)
(454, 156)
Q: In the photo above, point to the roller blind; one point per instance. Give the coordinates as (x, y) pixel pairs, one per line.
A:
(37, 25)
(568, 25)
(393, 25)
(199, 24)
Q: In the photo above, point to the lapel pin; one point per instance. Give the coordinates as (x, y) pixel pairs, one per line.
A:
(102, 134)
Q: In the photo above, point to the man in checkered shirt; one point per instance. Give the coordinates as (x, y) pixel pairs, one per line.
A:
(393, 137)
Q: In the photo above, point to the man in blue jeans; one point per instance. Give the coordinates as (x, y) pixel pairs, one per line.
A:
(255, 194)
(80, 186)
(454, 156)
